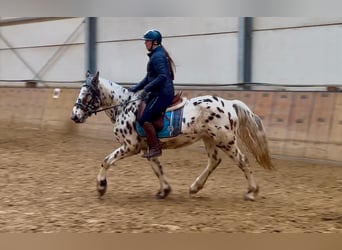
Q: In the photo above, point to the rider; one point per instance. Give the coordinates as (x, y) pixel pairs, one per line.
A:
(158, 88)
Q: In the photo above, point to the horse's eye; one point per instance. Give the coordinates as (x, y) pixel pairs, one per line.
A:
(87, 98)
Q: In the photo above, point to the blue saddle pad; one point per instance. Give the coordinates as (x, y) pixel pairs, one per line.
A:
(172, 124)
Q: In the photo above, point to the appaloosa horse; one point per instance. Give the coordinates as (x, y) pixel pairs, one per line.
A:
(219, 123)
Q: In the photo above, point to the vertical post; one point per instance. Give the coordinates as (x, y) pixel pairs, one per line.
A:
(90, 45)
(245, 50)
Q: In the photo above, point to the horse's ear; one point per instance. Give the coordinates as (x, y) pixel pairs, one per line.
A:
(96, 78)
(97, 75)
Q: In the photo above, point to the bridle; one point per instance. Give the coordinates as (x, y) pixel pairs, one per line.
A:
(91, 107)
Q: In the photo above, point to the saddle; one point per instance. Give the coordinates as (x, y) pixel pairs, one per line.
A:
(158, 123)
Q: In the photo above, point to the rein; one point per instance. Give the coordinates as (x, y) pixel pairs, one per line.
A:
(125, 103)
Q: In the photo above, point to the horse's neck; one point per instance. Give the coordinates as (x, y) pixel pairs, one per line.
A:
(111, 93)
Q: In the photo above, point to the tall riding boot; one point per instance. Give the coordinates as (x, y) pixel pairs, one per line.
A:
(154, 147)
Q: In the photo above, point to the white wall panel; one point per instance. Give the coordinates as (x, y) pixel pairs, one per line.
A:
(67, 65)
(198, 59)
(307, 55)
(42, 33)
(122, 62)
(205, 59)
(285, 50)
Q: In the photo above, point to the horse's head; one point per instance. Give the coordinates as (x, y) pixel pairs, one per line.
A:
(88, 100)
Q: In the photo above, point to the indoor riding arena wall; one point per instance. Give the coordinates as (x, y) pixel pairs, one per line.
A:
(298, 124)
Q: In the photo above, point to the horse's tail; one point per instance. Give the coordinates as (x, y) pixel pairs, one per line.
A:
(251, 131)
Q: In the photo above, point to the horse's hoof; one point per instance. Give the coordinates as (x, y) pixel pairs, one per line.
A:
(191, 191)
(249, 197)
(102, 187)
(194, 190)
(163, 194)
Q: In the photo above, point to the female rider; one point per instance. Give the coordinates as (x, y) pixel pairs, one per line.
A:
(157, 87)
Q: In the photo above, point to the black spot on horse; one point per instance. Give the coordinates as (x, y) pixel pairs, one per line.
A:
(230, 120)
(220, 110)
(215, 155)
(129, 127)
(215, 98)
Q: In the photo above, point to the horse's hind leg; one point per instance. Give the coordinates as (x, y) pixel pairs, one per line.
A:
(234, 152)
(213, 161)
(165, 188)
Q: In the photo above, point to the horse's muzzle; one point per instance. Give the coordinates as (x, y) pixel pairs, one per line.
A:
(75, 118)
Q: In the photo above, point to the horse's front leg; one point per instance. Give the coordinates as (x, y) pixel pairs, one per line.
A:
(109, 160)
(165, 188)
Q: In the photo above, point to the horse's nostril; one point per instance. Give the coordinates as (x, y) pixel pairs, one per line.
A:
(74, 118)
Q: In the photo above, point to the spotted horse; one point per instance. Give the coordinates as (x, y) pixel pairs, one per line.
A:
(218, 122)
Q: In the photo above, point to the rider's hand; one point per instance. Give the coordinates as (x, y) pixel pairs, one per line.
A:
(132, 90)
(143, 94)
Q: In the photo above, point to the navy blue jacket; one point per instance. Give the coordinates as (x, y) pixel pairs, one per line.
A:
(158, 78)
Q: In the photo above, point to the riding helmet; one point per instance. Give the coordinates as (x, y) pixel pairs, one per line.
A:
(153, 35)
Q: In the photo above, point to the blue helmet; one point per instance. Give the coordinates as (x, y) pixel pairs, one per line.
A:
(153, 35)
